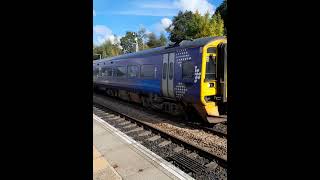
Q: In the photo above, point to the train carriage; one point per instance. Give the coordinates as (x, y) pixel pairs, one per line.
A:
(191, 75)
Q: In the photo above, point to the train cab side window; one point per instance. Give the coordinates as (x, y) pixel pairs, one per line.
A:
(164, 73)
(187, 70)
(211, 68)
(212, 50)
(147, 71)
(121, 71)
(133, 71)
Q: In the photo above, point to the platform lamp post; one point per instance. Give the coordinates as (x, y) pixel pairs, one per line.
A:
(136, 40)
(137, 45)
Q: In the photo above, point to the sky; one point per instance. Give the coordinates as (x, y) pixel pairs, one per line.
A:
(112, 18)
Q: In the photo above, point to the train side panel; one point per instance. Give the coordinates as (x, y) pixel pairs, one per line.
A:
(135, 84)
(187, 75)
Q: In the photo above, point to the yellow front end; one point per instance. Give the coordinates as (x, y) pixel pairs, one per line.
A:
(208, 87)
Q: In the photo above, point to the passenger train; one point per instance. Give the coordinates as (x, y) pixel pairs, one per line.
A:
(190, 76)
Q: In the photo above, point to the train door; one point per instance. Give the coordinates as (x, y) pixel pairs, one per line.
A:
(225, 74)
(167, 74)
(164, 82)
(222, 71)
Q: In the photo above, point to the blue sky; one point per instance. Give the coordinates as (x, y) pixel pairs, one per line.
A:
(112, 18)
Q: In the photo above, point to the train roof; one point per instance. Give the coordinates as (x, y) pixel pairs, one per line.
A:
(184, 44)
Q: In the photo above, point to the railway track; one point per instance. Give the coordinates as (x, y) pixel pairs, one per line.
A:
(219, 129)
(203, 138)
(197, 161)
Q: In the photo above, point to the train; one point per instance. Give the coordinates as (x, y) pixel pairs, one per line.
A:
(180, 78)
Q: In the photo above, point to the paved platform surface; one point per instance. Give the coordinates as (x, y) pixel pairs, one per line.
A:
(128, 158)
(102, 170)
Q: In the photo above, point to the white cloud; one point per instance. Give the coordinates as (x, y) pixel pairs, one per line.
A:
(147, 12)
(94, 13)
(118, 41)
(148, 32)
(102, 33)
(157, 5)
(166, 22)
(101, 30)
(202, 6)
(161, 26)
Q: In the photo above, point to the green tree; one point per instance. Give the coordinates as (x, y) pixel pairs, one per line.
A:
(223, 11)
(182, 27)
(116, 50)
(153, 41)
(163, 40)
(217, 25)
(142, 38)
(190, 25)
(107, 49)
(203, 25)
(96, 51)
(128, 42)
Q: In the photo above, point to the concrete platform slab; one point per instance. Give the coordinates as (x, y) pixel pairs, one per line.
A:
(130, 159)
(102, 169)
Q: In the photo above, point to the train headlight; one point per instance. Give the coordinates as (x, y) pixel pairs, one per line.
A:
(211, 85)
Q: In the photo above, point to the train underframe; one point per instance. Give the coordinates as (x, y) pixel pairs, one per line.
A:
(191, 112)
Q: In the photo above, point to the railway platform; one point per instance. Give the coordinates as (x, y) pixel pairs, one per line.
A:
(117, 156)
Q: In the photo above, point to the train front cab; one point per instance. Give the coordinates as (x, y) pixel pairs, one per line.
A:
(213, 87)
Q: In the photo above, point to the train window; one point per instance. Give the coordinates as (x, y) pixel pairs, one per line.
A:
(108, 71)
(103, 71)
(95, 74)
(147, 71)
(187, 70)
(100, 72)
(171, 70)
(212, 50)
(211, 68)
(164, 73)
(121, 71)
(133, 71)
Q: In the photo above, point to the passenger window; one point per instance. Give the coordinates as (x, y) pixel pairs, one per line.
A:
(164, 72)
(147, 71)
(133, 71)
(170, 70)
(100, 72)
(187, 70)
(103, 71)
(121, 71)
